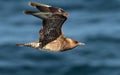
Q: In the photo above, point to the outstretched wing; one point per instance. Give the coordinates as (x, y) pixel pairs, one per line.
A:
(52, 28)
(53, 18)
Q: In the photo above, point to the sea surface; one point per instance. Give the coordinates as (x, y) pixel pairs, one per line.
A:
(94, 22)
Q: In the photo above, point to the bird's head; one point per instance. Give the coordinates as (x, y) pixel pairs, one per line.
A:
(73, 43)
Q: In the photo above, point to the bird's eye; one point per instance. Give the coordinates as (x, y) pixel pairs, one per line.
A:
(76, 41)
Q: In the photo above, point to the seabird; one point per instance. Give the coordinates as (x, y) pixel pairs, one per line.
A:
(51, 35)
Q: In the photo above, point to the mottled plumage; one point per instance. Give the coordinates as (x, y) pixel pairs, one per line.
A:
(51, 35)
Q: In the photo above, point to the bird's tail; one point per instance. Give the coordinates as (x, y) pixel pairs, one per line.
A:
(32, 44)
(26, 44)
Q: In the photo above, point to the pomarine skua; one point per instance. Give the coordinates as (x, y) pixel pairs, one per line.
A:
(51, 35)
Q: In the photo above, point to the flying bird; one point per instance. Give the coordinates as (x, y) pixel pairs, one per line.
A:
(51, 35)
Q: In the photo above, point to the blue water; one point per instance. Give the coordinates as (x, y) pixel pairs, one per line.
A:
(94, 22)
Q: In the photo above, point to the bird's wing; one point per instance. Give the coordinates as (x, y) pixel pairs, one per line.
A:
(53, 18)
(45, 8)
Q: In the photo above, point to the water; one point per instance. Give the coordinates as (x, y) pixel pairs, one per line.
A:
(94, 22)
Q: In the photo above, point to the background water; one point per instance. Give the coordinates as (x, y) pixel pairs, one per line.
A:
(95, 22)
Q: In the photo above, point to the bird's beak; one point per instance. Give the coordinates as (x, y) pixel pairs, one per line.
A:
(81, 44)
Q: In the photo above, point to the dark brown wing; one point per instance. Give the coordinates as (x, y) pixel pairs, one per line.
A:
(53, 18)
(52, 28)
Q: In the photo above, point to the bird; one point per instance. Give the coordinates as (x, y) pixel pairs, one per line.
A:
(51, 36)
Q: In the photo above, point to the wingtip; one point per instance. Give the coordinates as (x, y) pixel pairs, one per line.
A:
(29, 12)
(26, 12)
(34, 4)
